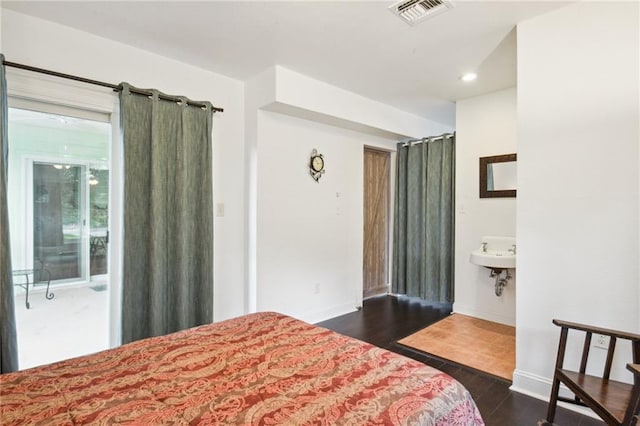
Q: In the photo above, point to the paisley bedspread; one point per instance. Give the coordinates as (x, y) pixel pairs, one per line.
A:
(259, 369)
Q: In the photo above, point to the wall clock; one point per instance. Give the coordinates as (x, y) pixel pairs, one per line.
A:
(316, 165)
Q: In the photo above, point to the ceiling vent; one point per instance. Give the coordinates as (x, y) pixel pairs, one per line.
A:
(414, 11)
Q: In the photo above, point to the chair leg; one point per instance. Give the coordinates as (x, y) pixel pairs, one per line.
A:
(48, 294)
(633, 410)
(553, 400)
(555, 388)
(26, 300)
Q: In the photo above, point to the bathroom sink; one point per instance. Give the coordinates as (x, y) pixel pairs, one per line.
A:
(493, 259)
(495, 253)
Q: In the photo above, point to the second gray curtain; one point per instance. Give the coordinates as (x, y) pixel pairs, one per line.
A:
(423, 242)
(168, 216)
(8, 335)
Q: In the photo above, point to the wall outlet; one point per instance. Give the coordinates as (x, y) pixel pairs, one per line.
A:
(316, 288)
(601, 341)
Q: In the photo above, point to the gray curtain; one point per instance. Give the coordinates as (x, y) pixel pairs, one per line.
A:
(168, 221)
(8, 338)
(423, 240)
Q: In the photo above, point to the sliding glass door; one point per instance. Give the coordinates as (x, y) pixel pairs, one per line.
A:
(58, 219)
(70, 219)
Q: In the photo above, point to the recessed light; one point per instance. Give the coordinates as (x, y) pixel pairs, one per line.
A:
(470, 76)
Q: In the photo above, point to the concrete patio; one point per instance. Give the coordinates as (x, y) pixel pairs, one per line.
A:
(75, 322)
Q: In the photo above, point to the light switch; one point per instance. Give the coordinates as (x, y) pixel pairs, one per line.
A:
(220, 209)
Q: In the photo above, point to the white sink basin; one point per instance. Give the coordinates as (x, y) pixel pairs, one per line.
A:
(495, 253)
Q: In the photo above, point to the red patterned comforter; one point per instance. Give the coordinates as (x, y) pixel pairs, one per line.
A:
(260, 369)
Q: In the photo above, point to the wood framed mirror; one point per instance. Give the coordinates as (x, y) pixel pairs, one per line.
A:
(498, 176)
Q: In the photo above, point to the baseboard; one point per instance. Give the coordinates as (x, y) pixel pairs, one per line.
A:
(326, 314)
(489, 316)
(540, 388)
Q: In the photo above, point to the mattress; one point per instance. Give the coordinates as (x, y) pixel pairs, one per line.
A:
(259, 369)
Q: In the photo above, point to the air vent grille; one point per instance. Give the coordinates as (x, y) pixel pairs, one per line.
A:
(413, 11)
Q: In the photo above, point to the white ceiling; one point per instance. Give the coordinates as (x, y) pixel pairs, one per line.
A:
(356, 45)
(58, 122)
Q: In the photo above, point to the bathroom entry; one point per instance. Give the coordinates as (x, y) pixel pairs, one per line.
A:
(376, 222)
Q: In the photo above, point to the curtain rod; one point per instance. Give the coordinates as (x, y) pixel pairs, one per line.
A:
(421, 140)
(115, 87)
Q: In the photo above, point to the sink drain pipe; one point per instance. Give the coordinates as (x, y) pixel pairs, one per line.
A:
(501, 281)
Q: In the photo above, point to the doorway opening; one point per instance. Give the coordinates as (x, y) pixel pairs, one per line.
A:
(376, 222)
(58, 193)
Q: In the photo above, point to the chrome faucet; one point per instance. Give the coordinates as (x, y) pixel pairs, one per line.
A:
(513, 249)
(484, 247)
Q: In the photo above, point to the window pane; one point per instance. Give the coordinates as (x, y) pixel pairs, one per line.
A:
(99, 217)
(57, 219)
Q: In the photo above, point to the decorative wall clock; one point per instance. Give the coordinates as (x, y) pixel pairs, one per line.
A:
(316, 165)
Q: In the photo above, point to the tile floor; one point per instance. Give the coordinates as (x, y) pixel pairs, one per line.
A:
(75, 322)
(484, 345)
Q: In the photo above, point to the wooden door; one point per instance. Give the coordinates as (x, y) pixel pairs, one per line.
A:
(376, 222)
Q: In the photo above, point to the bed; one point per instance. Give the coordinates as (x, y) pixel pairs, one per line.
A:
(259, 369)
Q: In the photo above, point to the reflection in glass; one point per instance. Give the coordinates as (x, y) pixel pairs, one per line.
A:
(99, 220)
(501, 176)
(57, 219)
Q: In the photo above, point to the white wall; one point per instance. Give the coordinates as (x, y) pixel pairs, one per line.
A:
(287, 115)
(485, 125)
(578, 162)
(309, 233)
(47, 45)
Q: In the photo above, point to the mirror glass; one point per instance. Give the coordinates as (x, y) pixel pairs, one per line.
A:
(501, 176)
(498, 176)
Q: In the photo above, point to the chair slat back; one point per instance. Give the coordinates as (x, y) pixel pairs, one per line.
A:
(585, 352)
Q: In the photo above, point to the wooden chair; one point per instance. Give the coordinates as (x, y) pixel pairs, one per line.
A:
(615, 402)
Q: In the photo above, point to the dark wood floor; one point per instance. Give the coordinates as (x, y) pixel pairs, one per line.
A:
(385, 319)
